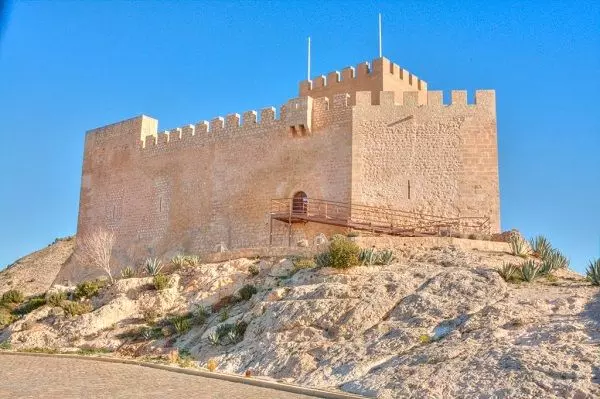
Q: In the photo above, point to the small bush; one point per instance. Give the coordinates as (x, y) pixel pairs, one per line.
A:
(529, 270)
(557, 260)
(323, 259)
(240, 328)
(518, 246)
(224, 315)
(88, 289)
(150, 315)
(343, 253)
(181, 324)
(5, 345)
(353, 234)
(211, 365)
(247, 291)
(160, 282)
(254, 269)
(592, 272)
(30, 305)
(200, 314)
(56, 298)
(128, 272)
(12, 297)
(153, 266)
(304, 263)
(424, 339)
(6, 317)
(73, 308)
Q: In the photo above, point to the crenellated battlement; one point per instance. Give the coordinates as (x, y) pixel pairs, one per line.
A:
(295, 117)
(380, 75)
(434, 98)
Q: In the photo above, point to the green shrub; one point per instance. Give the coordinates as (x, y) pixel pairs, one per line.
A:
(247, 291)
(153, 266)
(55, 298)
(128, 272)
(343, 253)
(5, 345)
(88, 289)
(509, 272)
(304, 263)
(200, 314)
(150, 315)
(30, 305)
(160, 282)
(518, 246)
(6, 317)
(12, 297)
(73, 308)
(323, 259)
(540, 246)
(229, 333)
(181, 323)
(224, 315)
(254, 269)
(529, 270)
(352, 234)
(592, 272)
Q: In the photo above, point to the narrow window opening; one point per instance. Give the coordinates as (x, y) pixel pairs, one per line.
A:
(409, 189)
(160, 205)
(293, 130)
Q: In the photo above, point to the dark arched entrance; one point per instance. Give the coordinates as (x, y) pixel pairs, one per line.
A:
(300, 203)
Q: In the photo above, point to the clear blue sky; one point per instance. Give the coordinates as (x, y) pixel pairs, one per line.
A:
(66, 67)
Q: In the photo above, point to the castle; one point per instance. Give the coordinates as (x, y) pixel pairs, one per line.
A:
(368, 148)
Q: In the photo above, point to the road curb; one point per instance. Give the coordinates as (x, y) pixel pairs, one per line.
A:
(200, 373)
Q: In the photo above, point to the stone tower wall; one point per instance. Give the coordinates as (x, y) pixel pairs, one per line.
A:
(427, 157)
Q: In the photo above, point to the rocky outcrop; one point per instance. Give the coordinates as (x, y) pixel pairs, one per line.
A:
(34, 274)
(439, 322)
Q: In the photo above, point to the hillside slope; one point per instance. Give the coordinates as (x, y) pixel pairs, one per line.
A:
(34, 274)
(440, 322)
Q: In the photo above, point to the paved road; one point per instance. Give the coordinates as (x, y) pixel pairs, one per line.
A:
(51, 377)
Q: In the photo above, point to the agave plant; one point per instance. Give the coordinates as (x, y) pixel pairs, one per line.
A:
(541, 247)
(518, 246)
(213, 338)
(367, 257)
(385, 257)
(233, 337)
(153, 266)
(593, 272)
(178, 261)
(509, 271)
(529, 270)
(128, 272)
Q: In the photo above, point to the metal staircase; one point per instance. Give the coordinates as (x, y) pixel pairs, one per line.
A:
(373, 219)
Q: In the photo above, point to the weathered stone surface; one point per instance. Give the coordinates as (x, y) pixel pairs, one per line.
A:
(439, 322)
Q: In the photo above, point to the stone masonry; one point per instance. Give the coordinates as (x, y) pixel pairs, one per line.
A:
(373, 135)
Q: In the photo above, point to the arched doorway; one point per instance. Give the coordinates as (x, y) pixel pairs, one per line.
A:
(300, 203)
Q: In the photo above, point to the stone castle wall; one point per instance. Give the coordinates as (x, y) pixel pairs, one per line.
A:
(197, 187)
(421, 155)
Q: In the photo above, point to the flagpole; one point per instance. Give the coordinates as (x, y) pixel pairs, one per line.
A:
(380, 40)
(308, 75)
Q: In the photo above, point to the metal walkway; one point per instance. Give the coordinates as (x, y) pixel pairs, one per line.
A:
(373, 219)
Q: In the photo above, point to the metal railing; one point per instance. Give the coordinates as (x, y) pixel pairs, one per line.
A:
(375, 219)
